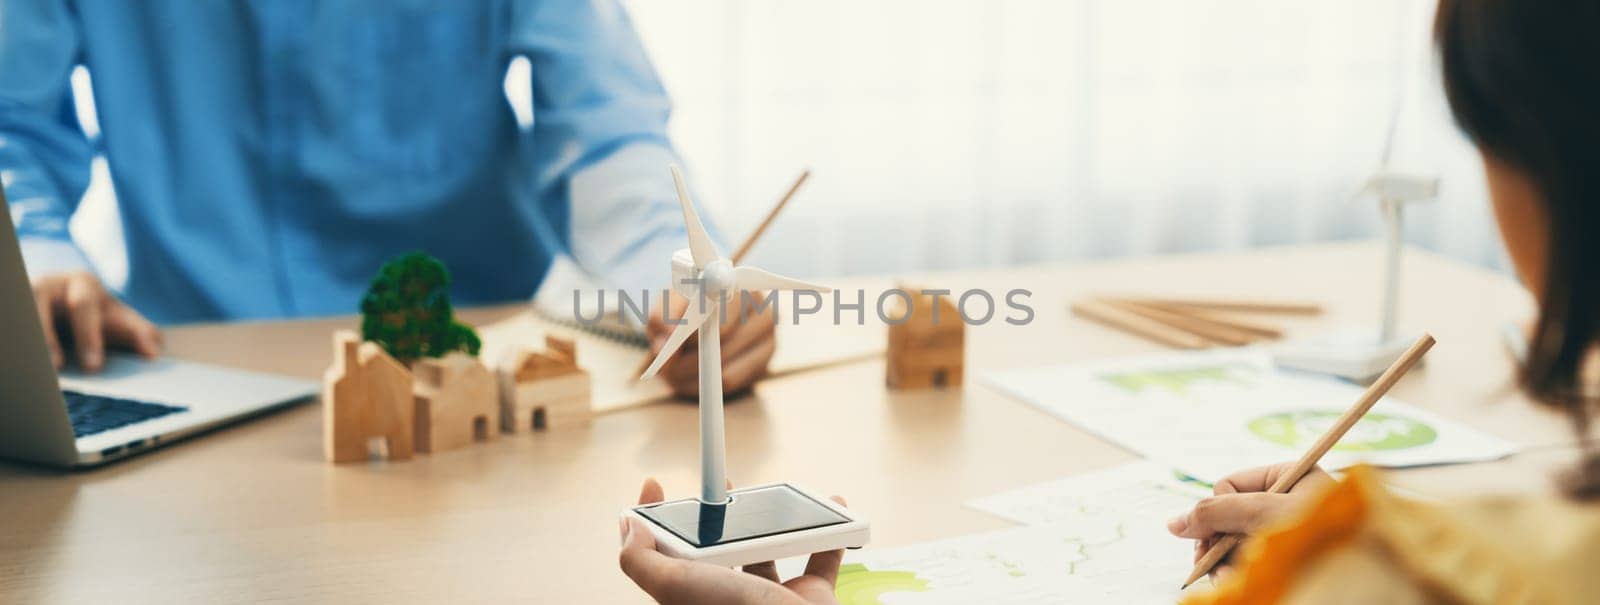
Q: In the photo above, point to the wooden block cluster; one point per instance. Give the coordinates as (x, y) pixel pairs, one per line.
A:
(925, 350)
(1190, 323)
(374, 406)
(544, 389)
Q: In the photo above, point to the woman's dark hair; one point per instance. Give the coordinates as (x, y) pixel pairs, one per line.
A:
(1523, 80)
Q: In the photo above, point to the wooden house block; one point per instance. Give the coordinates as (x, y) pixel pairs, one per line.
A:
(457, 402)
(366, 403)
(922, 352)
(543, 389)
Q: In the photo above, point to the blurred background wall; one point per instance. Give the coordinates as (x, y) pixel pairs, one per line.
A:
(967, 133)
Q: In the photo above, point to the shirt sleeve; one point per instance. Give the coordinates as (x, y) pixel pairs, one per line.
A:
(599, 139)
(44, 156)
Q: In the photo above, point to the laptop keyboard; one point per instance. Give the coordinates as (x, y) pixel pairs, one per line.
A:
(96, 413)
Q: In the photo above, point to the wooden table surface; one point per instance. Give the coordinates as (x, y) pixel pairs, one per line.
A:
(252, 513)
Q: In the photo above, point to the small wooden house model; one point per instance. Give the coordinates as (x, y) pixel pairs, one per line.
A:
(366, 403)
(457, 402)
(925, 350)
(543, 389)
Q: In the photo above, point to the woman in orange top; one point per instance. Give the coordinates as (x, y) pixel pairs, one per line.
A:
(1523, 80)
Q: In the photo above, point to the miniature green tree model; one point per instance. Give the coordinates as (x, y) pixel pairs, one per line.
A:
(407, 310)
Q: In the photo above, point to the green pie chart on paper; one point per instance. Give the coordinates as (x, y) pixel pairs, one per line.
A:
(1373, 433)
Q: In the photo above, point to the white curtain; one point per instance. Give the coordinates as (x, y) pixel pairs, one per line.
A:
(968, 133)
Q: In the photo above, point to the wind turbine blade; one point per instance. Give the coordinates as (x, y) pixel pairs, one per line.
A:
(692, 318)
(700, 246)
(751, 278)
(1389, 136)
(1399, 101)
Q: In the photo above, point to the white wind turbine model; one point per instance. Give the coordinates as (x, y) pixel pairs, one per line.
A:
(1360, 354)
(753, 524)
(1394, 190)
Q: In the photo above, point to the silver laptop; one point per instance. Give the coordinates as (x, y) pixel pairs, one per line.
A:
(130, 406)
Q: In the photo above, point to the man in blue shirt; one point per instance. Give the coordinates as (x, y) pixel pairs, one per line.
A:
(269, 155)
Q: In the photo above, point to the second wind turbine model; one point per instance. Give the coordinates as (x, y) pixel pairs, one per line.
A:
(1360, 354)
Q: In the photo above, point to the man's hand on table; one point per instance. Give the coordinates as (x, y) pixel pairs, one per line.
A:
(672, 581)
(76, 306)
(747, 346)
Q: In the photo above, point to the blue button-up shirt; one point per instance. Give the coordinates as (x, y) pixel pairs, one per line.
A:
(269, 155)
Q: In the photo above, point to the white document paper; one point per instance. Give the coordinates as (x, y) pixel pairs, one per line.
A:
(1100, 538)
(1136, 493)
(1212, 413)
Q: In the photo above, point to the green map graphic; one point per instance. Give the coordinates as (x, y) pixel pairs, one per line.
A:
(1178, 381)
(1012, 569)
(1182, 478)
(861, 586)
(1083, 548)
(1373, 433)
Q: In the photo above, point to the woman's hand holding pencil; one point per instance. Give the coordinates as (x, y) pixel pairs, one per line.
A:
(1242, 505)
(1289, 477)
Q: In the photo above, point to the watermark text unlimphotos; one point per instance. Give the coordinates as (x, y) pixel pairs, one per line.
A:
(974, 307)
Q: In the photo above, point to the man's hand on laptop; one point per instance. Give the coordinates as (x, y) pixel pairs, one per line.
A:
(78, 307)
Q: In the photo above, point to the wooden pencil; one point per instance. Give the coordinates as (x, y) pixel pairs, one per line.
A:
(1230, 319)
(772, 214)
(1245, 306)
(1219, 332)
(1139, 325)
(1287, 480)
